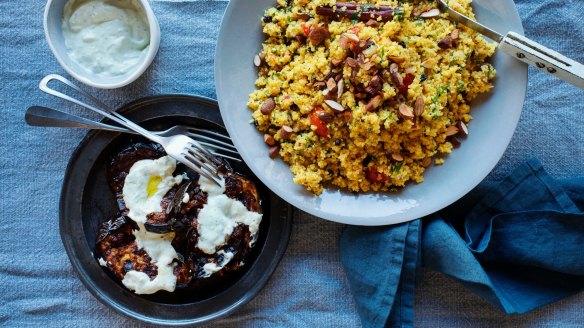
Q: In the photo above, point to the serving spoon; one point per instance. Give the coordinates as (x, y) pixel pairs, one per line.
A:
(525, 49)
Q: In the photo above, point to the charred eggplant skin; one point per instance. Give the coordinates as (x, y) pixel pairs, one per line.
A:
(116, 243)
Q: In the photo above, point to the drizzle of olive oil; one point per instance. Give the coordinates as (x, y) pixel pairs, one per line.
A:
(152, 187)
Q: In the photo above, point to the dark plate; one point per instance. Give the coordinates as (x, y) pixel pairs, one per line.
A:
(86, 201)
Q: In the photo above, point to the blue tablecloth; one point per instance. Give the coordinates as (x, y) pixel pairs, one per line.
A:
(38, 285)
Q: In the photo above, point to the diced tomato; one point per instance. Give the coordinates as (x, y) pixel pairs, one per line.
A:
(305, 28)
(375, 176)
(321, 128)
(407, 81)
(355, 29)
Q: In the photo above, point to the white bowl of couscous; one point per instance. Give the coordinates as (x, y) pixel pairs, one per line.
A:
(367, 120)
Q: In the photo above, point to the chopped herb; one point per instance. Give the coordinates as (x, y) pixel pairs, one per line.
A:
(399, 14)
(423, 77)
(397, 167)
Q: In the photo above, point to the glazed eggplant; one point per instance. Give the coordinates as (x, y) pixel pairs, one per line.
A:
(116, 243)
(116, 246)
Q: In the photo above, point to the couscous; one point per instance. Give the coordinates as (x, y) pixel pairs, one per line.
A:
(366, 96)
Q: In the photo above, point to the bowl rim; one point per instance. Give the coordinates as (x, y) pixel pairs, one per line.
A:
(271, 253)
(123, 79)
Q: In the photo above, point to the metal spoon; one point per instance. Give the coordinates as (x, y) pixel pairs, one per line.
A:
(525, 50)
(48, 117)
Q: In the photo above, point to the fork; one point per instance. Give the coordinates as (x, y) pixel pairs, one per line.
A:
(525, 50)
(180, 147)
(49, 117)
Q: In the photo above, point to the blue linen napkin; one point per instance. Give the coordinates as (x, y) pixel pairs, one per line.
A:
(517, 243)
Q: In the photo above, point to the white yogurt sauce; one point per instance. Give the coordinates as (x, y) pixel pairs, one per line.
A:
(221, 214)
(144, 187)
(106, 37)
(211, 268)
(142, 194)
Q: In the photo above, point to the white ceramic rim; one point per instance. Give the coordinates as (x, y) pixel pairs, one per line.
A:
(310, 204)
(124, 79)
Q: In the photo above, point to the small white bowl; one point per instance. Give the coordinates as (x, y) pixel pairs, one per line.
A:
(52, 23)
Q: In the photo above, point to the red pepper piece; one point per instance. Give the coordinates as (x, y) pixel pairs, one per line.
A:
(321, 128)
(305, 28)
(375, 176)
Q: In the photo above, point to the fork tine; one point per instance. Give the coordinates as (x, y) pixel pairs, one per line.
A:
(192, 163)
(201, 139)
(202, 151)
(227, 157)
(212, 133)
(203, 161)
(215, 147)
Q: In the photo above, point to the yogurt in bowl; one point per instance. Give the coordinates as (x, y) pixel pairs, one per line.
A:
(102, 43)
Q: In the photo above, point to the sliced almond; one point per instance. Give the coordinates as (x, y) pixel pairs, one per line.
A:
(331, 84)
(268, 106)
(336, 62)
(427, 161)
(397, 80)
(274, 151)
(445, 43)
(393, 67)
(410, 70)
(269, 140)
(397, 157)
(462, 128)
(397, 59)
(430, 13)
(351, 62)
(361, 59)
(374, 103)
(417, 12)
(419, 106)
(406, 112)
(325, 92)
(351, 37)
(368, 66)
(372, 23)
(371, 50)
(325, 116)
(455, 34)
(286, 132)
(319, 85)
(451, 130)
(429, 63)
(344, 42)
(340, 88)
(334, 105)
(257, 61)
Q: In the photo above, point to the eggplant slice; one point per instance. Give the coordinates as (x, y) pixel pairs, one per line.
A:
(117, 246)
(180, 206)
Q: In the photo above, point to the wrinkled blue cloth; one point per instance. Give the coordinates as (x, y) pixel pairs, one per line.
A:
(517, 243)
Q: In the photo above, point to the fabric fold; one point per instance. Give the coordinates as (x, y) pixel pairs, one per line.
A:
(516, 243)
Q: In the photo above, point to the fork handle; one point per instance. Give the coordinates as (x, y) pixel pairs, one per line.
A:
(542, 58)
(101, 109)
